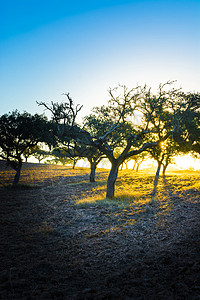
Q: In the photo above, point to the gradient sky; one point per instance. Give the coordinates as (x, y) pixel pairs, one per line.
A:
(50, 47)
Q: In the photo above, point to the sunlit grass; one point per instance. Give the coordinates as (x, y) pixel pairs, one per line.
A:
(122, 199)
(132, 204)
(133, 200)
(131, 189)
(37, 174)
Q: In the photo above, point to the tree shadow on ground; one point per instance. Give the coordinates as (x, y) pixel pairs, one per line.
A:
(53, 248)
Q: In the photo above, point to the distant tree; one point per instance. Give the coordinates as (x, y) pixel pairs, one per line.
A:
(139, 159)
(71, 136)
(75, 151)
(36, 152)
(39, 153)
(163, 154)
(61, 155)
(20, 133)
(125, 163)
(27, 153)
(95, 128)
(94, 159)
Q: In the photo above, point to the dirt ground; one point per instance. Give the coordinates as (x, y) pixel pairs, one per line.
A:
(53, 248)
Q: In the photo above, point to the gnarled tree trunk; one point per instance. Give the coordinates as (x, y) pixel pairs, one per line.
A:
(138, 165)
(134, 165)
(74, 163)
(93, 166)
(111, 180)
(164, 169)
(18, 172)
(156, 178)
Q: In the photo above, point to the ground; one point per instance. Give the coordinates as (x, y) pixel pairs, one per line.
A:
(61, 239)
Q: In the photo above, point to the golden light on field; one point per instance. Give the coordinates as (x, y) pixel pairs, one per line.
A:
(187, 162)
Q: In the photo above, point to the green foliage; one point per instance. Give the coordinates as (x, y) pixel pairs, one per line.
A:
(188, 135)
(39, 153)
(134, 121)
(20, 133)
(62, 156)
(104, 121)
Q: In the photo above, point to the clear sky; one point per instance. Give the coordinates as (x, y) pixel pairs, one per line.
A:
(50, 47)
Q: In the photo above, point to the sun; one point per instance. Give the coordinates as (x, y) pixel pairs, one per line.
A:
(186, 162)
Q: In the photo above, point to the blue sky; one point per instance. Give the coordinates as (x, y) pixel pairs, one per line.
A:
(51, 47)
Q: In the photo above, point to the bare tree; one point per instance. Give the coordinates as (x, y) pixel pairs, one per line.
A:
(63, 114)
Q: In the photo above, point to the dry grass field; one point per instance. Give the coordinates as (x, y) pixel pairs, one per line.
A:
(62, 239)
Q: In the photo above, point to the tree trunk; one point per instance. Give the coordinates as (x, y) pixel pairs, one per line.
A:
(164, 169)
(17, 175)
(156, 179)
(134, 165)
(93, 166)
(137, 168)
(74, 164)
(111, 180)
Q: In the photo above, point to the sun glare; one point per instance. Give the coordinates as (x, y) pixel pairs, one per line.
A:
(187, 162)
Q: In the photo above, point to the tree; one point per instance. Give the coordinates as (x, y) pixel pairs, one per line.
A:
(58, 156)
(188, 135)
(116, 125)
(119, 128)
(19, 133)
(171, 149)
(163, 153)
(138, 160)
(70, 135)
(62, 155)
(75, 151)
(39, 153)
(27, 153)
(63, 115)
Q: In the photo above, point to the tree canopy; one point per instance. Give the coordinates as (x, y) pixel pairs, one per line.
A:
(133, 121)
(20, 132)
(188, 134)
(136, 120)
